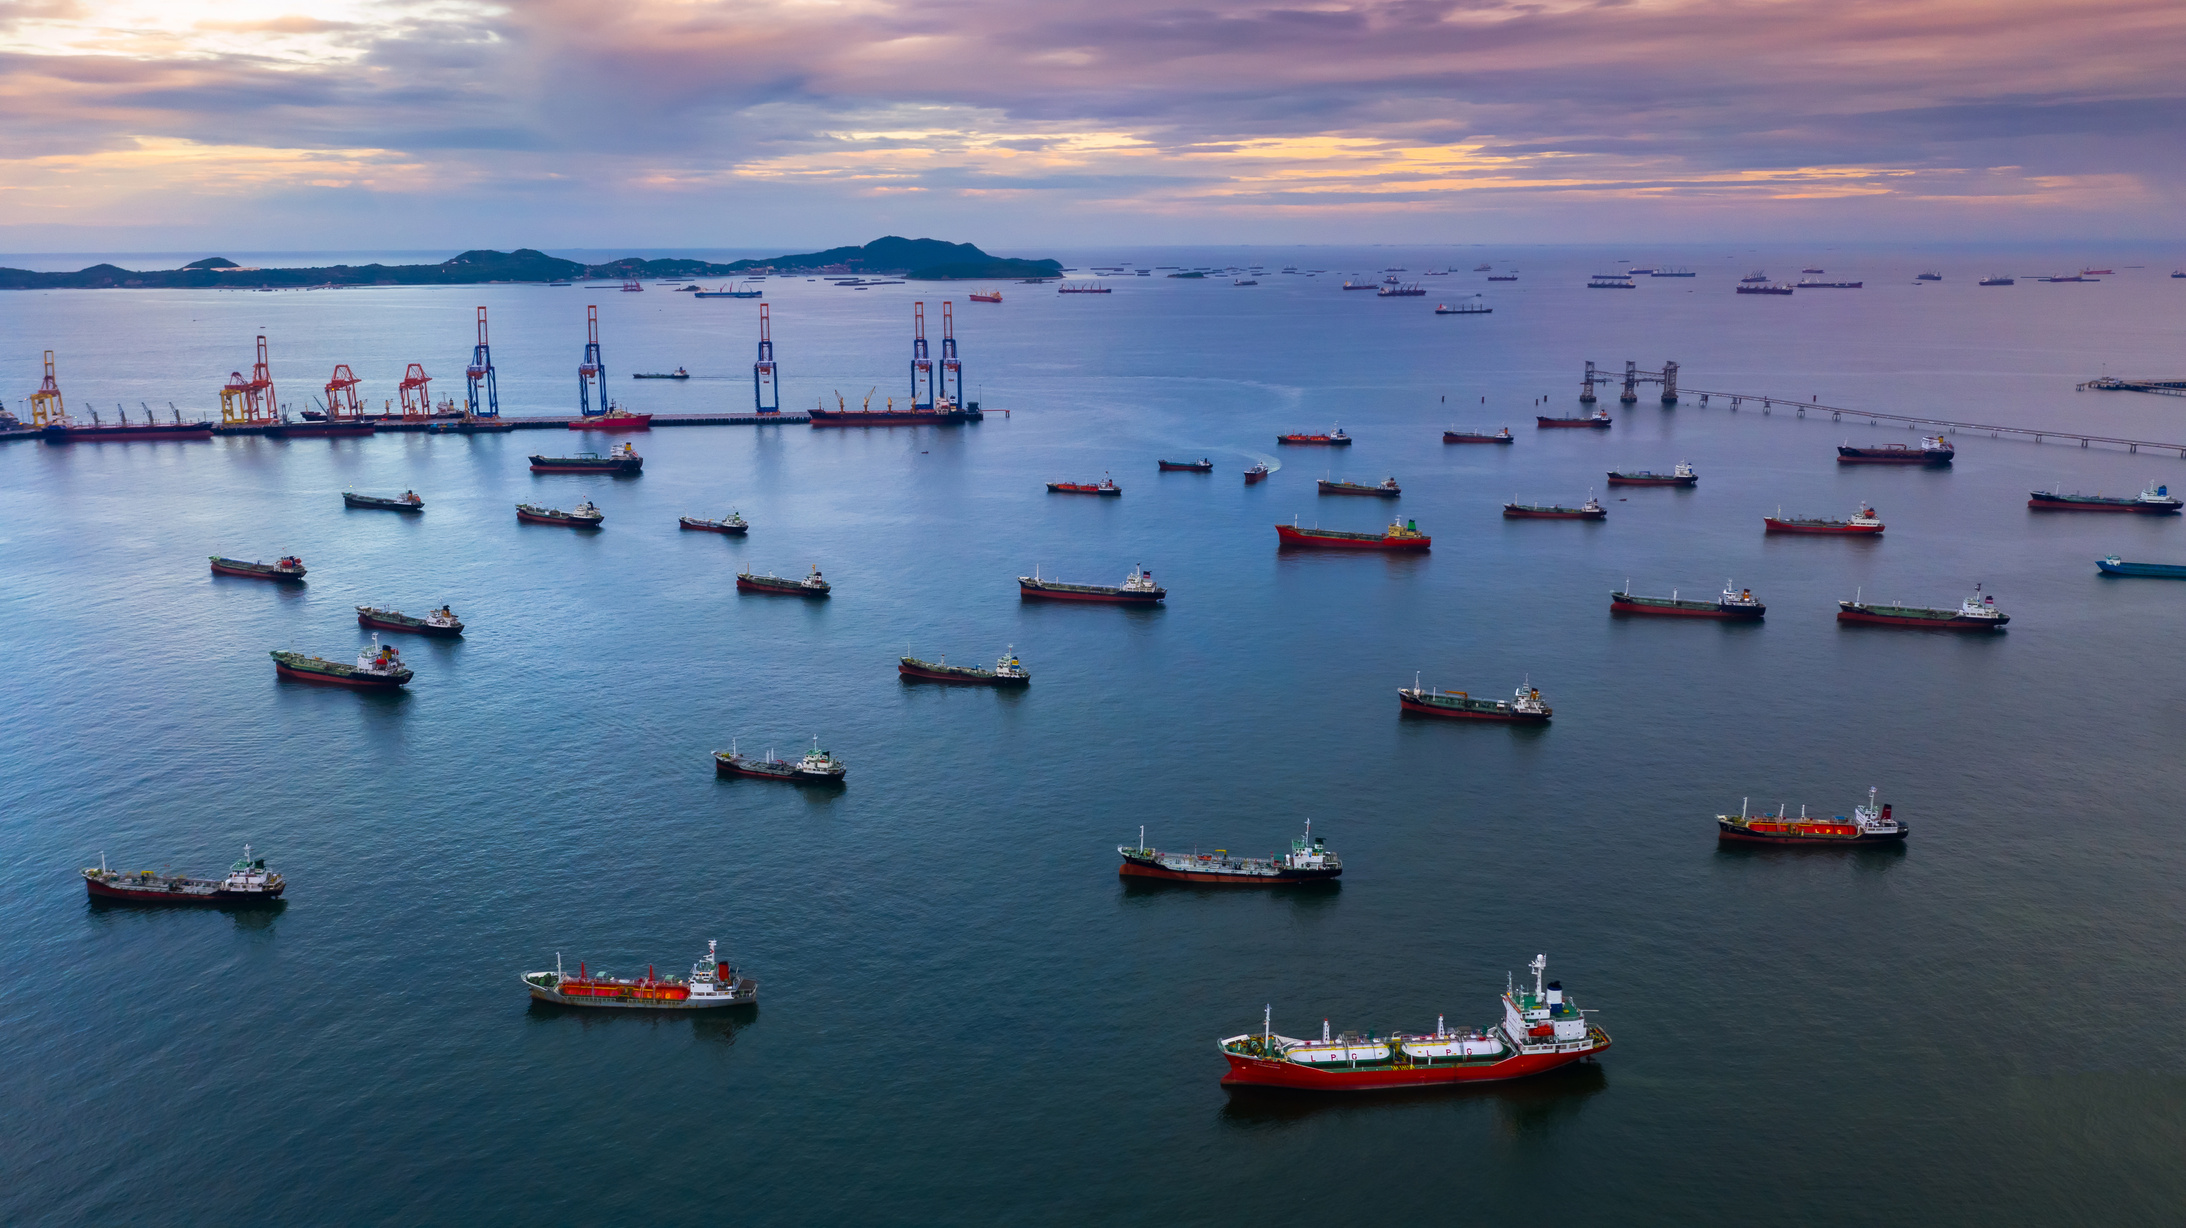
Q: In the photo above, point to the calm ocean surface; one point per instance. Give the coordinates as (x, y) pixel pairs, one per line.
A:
(965, 1017)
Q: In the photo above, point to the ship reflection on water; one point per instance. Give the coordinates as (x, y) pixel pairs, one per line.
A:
(715, 1026)
(1523, 1107)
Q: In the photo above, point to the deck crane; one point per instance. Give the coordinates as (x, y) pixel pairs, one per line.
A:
(481, 371)
(766, 390)
(952, 370)
(593, 370)
(45, 404)
(341, 394)
(922, 364)
(250, 402)
(416, 390)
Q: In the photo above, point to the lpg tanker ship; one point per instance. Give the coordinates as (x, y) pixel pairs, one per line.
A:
(712, 984)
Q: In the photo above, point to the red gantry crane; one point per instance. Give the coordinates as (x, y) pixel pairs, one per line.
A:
(250, 402)
(341, 395)
(417, 394)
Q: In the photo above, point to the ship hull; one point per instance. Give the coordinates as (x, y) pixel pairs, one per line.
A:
(1347, 488)
(354, 682)
(1029, 590)
(543, 464)
(1177, 467)
(1840, 530)
(2099, 504)
(1463, 437)
(1287, 535)
(747, 995)
(251, 573)
(1625, 479)
(635, 422)
(381, 505)
(417, 628)
(1895, 456)
(1670, 608)
(208, 899)
(1733, 832)
(1573, 424)
(1311, 441)
(1527, 513)
(1260, 1072)
(1945, 621)
(56, 433)
(1281, 878)
(791, 589)
(1072, 488)
(858, 417)
(712, 526)
(2163, 571)
(1251, 477)
(1470, 714)
(930, 673)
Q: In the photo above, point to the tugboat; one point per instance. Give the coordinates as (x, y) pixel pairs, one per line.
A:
(1385, 489)
(1598, 420)
(582, 516)
(615, 419)
(2115, 566)
(407, 501)
(732, 524)
(1106, 486)
(1859, 522)
(817, 767)
(1736, 603)
(1502, 436)
(379, 668)
(1400, 535)
(1334, 439)
(289, 567)
(1138, 588)
(1257, 473)
(1523, 708)
(1589, 510)
(248, 884)
(441, 622)
(1202, 465)
(1308, 861)
(1867, 825)
(1683, 475)
(622, 460)
(2154, 501)
(712, 984)
(1934, 451)
(1541, 1030)
(810, 586)
(1007, 671)
(1975, 613)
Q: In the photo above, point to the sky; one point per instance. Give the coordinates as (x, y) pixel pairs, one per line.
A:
(166, 125)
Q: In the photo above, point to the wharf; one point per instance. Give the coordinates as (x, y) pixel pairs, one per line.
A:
(2112, 383)
(547, 424)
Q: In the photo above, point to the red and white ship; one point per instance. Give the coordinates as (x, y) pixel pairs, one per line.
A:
(615, 419)
(712, 984)
(1541, 1030)
(1868, 825)
(1859, 522)
(248, 883)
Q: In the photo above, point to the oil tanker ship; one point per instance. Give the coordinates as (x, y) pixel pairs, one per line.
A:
(1541, 1029)
(1502, 436)
(1683, 475)
(1975, 613)
(2154, 501)
(288, 567)
(817, 766)
(711, 985)
(1522, 708)
(1106, 486)
(1598, 421)
(1138, 588)
(1867, 825)
(808, 586)
(1401, 535)
(624, 459)
(1589, 510)
(379, 668)
(582, 516)
(1007, 671)
(1935, 452)
(1862, 522)
(248, 884)
(1202, 465)
(1334, 439)
(1735, 604)
(441, 623)
(733, 524)
(407, 501)
(1308, 861)
(1384, 489)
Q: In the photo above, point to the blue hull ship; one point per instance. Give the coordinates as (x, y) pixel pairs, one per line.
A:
(2116, 566)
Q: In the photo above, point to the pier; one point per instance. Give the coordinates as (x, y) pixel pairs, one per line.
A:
(2112, 383)
(509, 423)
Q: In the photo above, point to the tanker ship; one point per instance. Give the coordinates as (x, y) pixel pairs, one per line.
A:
(1975, 613)
(1935, 451)
(2154, 501)
(248, 884)
(1867, 825)
(1523, 708)
(1308, 861)
(1138, 588)
(624, 459)
(1007, 671)
(1735, 603)
(712, 984)
(1400, 535)
(379, 668)
(288, 567)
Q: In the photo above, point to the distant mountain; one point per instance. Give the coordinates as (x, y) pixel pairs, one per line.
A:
(926, 259)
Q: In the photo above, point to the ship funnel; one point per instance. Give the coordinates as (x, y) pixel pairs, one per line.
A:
(1555, 993)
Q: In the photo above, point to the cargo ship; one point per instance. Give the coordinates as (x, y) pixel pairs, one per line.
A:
(1334, 439)
(2003, 281)
(1258, 472)
(248, 884)
(2154, 501)
(325, 428)
(807, 586)
(407, 501)
(1598, 421)
(1138, 588)
(2115, 566)
(1502, 436)
(1928, 275)
(67, 430)
(1935, 452)
(288, 567)
(943, 412)
(986, 296)
(732, 524)
(678, 373)
(1542, 1029)
(1975, 613)
(622, 460)
(711, 985)
(1589, 510)
(817, 766)
(582, 516)
(1203, 465)
(1736, 604)
(1407, 290)
(379, 668)
(1859, 522)
(1764, 289)
(1308, 861)
(1683, 475)
(1384, 489)
(1007, 671)
(1524, 707)
(1757, 277)
(441, 623)
(1868, 825)
(1106, 486)
(615, 419)
(1464, 308)
(1829, 285)
(1401, 535)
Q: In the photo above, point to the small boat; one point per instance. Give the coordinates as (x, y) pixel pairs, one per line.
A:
(1335, 438)
(1465, 308)
(817, 767)
(622, 460)
(1765, 289)
(1975, 613)
(1736, 604)
(1589, 510)
(1541, 1030)
(1258, 472)
(1859, 522)
(582, 516)
(379, 667)
(1502, 436)
(2115, 566)
(1523, 708)
(732, 524)
(2000, 280)
(1401, 535)
(986, 296)
(248, 884)
(1007, 671)
(615, 419)
(2156, 500)
(441, 622)
(407, 501)
(808, 586)
(1868, 825)
(1387, 488)
(678, 373)
(287, 567)
(711, 985)
(1598, 420)
(1308, 861)
(1202, 465)
(1935, 452)
(1683, 475)
(1138, 588)
(1106, 486)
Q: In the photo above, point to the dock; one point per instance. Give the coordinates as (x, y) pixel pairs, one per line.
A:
(513, 423)
(2112, 383)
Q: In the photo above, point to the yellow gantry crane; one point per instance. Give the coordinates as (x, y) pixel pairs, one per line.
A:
(45, 404)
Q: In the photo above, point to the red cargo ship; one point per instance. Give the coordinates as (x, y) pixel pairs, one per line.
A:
(248, 884)
(1541, 1030)
(1106, 486)
(615, 419)
(1860, 522)
(712, 983)
(1334, 439)
(1935, 452)
(1867, 825)
(63, 429)
(1400, 535)
(1258, 473)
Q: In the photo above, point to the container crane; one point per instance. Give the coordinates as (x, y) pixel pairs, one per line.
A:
(952, 370)
(341, 394)
(481, 371)
(416, 390)
(922, 364)
(45, 404)
(766, 391)
(250, 402)
(593, 370)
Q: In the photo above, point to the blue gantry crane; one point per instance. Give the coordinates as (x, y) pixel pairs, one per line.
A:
(766, 394)
(922, 364)
(951, 388)
(481, 371)
(593, 370)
